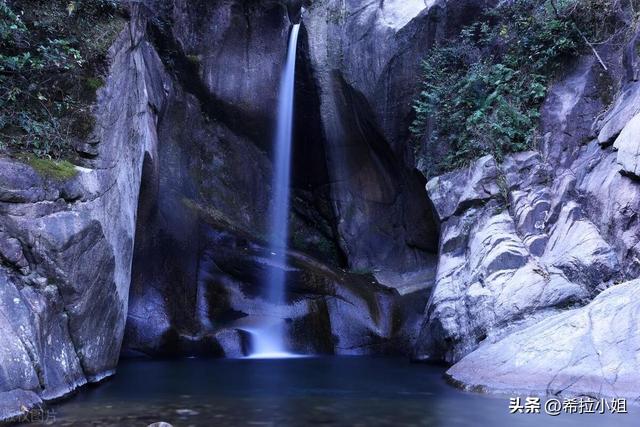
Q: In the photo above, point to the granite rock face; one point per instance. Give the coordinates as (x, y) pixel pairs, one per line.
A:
(203, 219)
(589, 351)
(514, 247)
(364, 57)
(527, 245)
(237, 48)
(66, 245)
(529, 240)
(376, 48)
(164, 223)
(364, 108)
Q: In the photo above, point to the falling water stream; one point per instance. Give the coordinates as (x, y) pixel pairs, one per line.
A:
(268, 341)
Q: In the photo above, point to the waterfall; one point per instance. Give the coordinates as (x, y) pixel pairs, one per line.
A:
(269, 340)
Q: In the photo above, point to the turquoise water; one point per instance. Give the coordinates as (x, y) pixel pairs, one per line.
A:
(329, 391)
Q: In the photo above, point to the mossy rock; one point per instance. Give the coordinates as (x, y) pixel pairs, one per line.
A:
(60, 170)
(94, 83)
(91, 87)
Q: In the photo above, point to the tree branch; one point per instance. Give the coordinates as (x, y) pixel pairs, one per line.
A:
(595, 52)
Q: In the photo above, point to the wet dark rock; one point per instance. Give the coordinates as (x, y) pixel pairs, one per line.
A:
(327, 310)
(203, 219)
(294, 9)
(238, 59)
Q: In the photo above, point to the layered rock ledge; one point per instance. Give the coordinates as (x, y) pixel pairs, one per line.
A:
(591, 351)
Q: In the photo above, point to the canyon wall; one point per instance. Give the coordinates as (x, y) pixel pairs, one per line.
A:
(526, 244)
(156, 245)
(66, 244)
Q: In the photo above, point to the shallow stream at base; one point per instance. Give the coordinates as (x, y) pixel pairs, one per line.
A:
(323, 391)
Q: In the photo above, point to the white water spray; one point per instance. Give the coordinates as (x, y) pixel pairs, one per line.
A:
(269, 340)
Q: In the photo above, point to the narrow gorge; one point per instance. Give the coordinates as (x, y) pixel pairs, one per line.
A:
(153, 236)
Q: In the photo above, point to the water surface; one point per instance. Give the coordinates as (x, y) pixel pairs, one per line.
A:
(331, 391)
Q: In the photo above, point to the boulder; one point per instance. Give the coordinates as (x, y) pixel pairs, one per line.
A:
(588, 351)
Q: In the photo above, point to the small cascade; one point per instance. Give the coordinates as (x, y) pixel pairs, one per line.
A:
(268, 341)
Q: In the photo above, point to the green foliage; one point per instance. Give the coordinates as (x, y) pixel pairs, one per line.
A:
(94, 83)
(51, 53)
(598, 19)
(482, 91)
(59, 170)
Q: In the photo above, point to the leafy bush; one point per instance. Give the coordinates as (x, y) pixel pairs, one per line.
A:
(482, 91)
(51, 54)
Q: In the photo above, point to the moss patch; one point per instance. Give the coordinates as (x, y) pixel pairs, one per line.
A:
(59, 170)
(91, 87)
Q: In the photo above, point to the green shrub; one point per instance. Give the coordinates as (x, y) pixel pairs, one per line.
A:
(47, 50)
(94, 83)
(482, 91)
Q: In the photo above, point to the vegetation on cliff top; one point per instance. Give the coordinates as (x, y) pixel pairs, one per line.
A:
(52, 54)
(482, 91)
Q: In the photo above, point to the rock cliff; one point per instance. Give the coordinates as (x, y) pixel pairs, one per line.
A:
(155, 245)
(66, 244)
(202, 220)
(527, 243)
